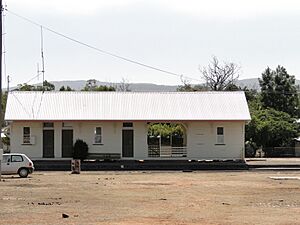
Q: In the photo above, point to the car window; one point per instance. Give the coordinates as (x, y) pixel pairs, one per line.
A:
(16, 158)
(6, 158)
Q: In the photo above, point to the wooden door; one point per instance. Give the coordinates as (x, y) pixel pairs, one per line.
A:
(67, 143)
(127, 143)
(48, 143)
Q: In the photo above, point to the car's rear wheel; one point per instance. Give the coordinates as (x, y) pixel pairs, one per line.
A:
(23, 172)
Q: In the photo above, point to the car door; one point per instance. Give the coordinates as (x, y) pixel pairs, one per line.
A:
(5, 165)
(17, 162)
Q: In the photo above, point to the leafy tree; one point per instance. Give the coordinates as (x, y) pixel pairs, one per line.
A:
(271, 128)
(279, 91)
(233, 87)
(104, 88)
(164, 129)
(91, 85)
(251, 94)
(25, 87)
(219, 76)
(63, 88)
(47, 86)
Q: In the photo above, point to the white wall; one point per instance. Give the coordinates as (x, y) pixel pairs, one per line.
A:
(201, 139)
(111, 138)
(16, 139)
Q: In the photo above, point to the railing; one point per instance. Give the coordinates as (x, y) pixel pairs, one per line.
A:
(154, 151)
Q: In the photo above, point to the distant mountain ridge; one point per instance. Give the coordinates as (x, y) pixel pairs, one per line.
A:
(79, 84)
(251, 83)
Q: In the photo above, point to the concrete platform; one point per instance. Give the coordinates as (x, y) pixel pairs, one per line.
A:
(249, 163)
(65, 165)
(273, 163)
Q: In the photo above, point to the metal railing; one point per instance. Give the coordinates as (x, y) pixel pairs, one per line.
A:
(155, 151)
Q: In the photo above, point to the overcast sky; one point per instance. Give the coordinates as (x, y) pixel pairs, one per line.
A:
(178, 36)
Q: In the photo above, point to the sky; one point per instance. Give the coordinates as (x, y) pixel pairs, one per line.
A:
(176, 36)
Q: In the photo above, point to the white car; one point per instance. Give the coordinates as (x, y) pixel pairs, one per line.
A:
(16, 163)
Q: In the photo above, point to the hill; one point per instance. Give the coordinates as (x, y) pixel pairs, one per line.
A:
(251, 83)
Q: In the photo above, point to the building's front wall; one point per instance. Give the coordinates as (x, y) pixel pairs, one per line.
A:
(201, 139)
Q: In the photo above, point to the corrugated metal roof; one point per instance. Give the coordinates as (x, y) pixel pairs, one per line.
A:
(127, 106)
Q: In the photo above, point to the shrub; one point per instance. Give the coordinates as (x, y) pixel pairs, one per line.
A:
(250, 149)
(80, 150)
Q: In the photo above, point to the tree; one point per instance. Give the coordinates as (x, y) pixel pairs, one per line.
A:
(91, 85)
(251, 94)
(63, 88)
(219, 76)
(279, 91)
(124, 85)
(271, 128)
(164, 129)
(188, 87)
(25, 87)
(104, 88)
(233, 87)
(47, 86)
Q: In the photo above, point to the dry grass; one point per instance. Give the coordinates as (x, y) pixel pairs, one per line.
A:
(245, 197)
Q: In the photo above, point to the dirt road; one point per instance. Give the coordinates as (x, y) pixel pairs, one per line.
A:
(243, 197)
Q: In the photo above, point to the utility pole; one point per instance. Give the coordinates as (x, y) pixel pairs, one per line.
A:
(1, 117)
(42, 55)
(8, 80)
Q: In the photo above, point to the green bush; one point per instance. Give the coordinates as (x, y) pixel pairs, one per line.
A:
(80, 150)
(250, 149)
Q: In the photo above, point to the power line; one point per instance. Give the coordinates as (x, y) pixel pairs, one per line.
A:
(101, 50)
(115, 55)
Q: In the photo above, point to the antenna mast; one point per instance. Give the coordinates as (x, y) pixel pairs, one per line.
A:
(42, 55)
(1, 117)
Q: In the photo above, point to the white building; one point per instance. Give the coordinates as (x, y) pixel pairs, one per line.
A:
(45, 125)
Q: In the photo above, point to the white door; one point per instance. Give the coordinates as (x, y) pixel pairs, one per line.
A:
(5, 165)
(16, 163)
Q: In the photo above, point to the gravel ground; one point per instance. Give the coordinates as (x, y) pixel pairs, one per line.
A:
(203, 197)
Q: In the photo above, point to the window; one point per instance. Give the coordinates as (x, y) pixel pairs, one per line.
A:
(48, 125)
(98, 135)
(26, 135)
(16, 158)
(220, 130)
(66, 125)
(6, 158)
(220, 135)
(127, 124)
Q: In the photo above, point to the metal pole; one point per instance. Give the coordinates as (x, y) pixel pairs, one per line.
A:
(1, 118)
(8, 84)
